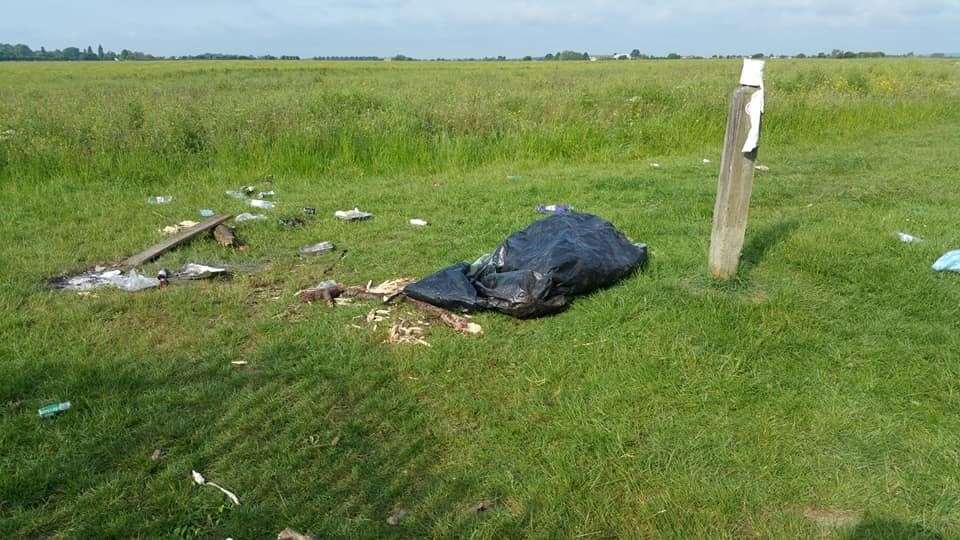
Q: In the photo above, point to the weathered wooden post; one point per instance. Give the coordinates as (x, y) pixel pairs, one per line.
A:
(736, 171)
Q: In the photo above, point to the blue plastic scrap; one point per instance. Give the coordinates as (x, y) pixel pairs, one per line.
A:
(949, 262)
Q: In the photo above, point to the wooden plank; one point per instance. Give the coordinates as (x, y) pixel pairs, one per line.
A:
(734, 187)
(183, 236)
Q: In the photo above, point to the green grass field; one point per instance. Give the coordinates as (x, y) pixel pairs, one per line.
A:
(817, 394)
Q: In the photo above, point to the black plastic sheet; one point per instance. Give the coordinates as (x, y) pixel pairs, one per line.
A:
(537, 271)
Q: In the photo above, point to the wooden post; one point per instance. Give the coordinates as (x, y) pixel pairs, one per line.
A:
(736, 175)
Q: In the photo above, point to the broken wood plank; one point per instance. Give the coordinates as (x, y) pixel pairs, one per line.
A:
(174, 241)
(224, 236)
(457, 322)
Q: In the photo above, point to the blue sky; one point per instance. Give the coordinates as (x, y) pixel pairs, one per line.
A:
(451, 28)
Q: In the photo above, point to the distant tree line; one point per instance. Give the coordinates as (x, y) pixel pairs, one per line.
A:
(23, 53)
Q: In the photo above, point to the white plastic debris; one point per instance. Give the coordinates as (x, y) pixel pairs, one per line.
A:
(908, 238)
(949, 262)
(259, 203)
(236, 194)
(416, 222)
(246, 216)
(201, 481)
(352, 215)
(199, 271)
(159, 199)
(655, 165)
(706, 161)
(316, 249)
(266, 194)
(761, 168)
(206, 212)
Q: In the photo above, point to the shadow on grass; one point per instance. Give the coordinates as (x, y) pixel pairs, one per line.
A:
(761, 241)
(891, 529)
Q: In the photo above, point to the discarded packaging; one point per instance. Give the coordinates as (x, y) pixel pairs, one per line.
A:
(537, 271)
(174, 229)
(266, 194)
(416, 222)
(236, 194)
(761, 168)
(554, 209)
(655, 165)
(290, 534)
(201, 481)
(394, 518)
(206, 212)
(706, 161)
(291, 222)
(246, 216)
(199, 271)
(159, 199)
(316, 249)
(259, 203)
(908, 238)
(352, 215)
(949, 262)
(54, 409)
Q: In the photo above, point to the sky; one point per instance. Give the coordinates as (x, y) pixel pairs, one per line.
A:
(464, 28)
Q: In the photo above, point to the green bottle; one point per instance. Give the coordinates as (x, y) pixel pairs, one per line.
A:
(54, 409)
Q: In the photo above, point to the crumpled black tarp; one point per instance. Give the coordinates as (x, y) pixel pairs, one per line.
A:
(538, 270)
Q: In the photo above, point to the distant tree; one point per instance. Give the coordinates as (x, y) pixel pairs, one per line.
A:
(549, 56)
(757, 56)
(635, 54)
(71, 53)
(674, 56)
(527, 58)
(800, 55)
(100, 52)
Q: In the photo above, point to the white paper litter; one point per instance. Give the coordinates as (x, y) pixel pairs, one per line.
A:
(908, 238)
(416, 222)
(352, 215)
(201, 481)
(198, 271)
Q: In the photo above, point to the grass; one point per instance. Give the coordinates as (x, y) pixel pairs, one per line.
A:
(816, 394)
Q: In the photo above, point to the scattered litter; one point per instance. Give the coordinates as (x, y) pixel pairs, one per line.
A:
(417, 222)
(199, 271)
(159, 199)
(54, 409)
(655, 165)
(554, 209)
(310, 211)
(290, 534)
(236, 194)
(316, 249)
(131, 282)
(405, 332)
(352, 215)
(174, 229)
(950, 262)
(238, 362)
(156, 455)
(706, 161)
(248, 190)
(761, 168)
(246, 216)
(536, 271)
(156, 250)
(266, 194)
(206, 212)
(394, 518)
(201, 481)
(483, 506)
(291, 222)
(163, 276)
(259, 203)
(908, 238)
